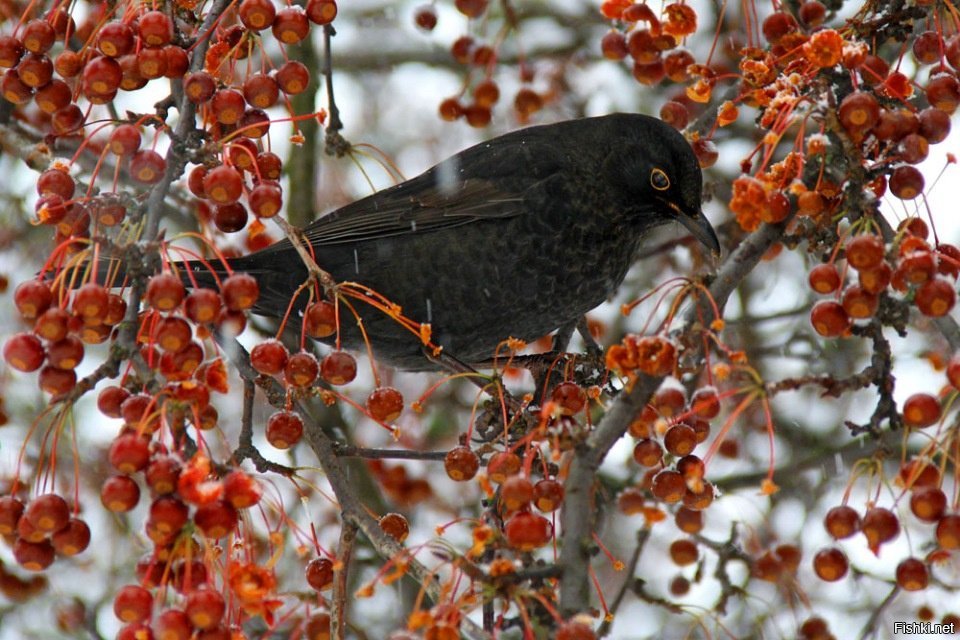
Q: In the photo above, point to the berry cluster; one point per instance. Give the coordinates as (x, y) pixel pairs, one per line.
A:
(912, 270)
(874, 127)
(476, 55)
(64, 321)
(41, 530)
(68, 71)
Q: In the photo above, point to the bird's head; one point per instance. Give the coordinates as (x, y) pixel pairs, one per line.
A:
(660, 172)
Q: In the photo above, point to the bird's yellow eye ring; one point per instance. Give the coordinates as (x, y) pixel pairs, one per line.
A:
(659, 180)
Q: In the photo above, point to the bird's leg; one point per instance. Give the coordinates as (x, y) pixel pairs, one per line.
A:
(544, 369)
(562, 337)
(583, 328)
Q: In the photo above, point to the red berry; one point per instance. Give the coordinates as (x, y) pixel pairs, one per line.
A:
(777, 25)
(293, 77)
(33, 556)
(223, 184)
(257, 15)
(230, 218)
(684, 552)
(72, 539)
(120, 494)
(548, 495)
(842, 522)
(669, 486)
(921, 410)
(125, 140)
(165, 292)
(385, 404)
(613, 45)
(395, 526)
(526, 531)
(879, 525)
(935, 297)
(115, 39)
(321, 11)
(24, 352)
(859, 303)
(11, 509)
(11, 50)
(471, 8)
(53, 97)
(319, 573)
(569, 397)
(675, 114)
(56, 381)
(502, 465)
(934, 124)
(15, 90)
(284, 429)
(227, 106)
(321, 319)
(338, 368)
(215, 519)
(176, 60)
(240, 291)
(829, 319)
(173, 624)
(516, 492)
(425, 17)
(47, 513)
(35, 70)
(132, 603)
(928, 503)
(261, 90)
(151, 63)
(32, 297)
(948, 531)
(156, 28)
(830, 564)
(301, 369)
(129, 453)
(265, 199)
(101, 77)
(269, 357)
(460, 463)
(205, 607)
(291, 25)
(147, 166)
(38, 36)
(199, 86)
(110, 399)
(912, 574)
(68, 64)
(865, 251)
(241, 489)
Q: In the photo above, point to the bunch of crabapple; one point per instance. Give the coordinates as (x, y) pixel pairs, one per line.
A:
(526, 494)
(478, 57)
(63, 76)
(651, 40)
(875, 131)
(922, 483)
(910, 271)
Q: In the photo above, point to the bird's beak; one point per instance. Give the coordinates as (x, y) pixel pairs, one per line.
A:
(698, 225)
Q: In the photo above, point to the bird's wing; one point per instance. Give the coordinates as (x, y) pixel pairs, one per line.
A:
(423, 204)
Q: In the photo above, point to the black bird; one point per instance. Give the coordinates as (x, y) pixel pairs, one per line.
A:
(514, 237)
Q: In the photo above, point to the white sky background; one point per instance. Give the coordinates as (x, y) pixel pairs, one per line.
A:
(408, 127)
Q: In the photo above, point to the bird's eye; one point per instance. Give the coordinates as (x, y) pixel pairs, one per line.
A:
(659, 180)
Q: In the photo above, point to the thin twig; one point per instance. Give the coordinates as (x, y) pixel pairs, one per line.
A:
(341, 573)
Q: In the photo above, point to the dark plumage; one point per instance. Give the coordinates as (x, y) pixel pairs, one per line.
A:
(516, 236)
